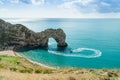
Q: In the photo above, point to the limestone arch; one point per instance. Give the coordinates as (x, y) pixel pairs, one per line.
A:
(57, 34)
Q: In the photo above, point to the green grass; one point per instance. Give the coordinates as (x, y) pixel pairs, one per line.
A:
(47, 71)
(9, 58)
(22, 65)
(19, 64)
(38, 71)
(27, 70)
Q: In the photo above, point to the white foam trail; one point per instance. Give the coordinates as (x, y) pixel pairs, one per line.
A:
(96, 53)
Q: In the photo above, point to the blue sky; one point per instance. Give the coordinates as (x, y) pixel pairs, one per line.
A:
(60, 8)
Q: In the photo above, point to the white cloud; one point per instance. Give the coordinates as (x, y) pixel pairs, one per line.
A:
(105, 4)
(72, 4)
(67, 5)
(14, 1)
(3, 9)
(61, 13)
(81, 6)
(37, 2)
(85, 9)
(68, 9)
(84, 2)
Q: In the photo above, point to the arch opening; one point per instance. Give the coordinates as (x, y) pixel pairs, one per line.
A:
(52, 41)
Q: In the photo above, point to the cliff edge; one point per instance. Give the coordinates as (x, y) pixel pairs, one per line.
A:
(13, 36)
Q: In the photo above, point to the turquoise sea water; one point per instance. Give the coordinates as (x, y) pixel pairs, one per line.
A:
(93, 43)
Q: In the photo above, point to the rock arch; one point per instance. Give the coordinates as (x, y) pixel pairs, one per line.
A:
(18, 35)
(57, 34)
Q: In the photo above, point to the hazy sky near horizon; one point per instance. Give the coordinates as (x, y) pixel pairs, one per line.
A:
(60, 8)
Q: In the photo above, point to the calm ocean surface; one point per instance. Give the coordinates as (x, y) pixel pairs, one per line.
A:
(93, 43)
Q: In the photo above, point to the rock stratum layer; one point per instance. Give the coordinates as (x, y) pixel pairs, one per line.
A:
(13, 36)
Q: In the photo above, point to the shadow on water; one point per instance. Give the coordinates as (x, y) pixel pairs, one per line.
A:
(46, 48)
(27, 48)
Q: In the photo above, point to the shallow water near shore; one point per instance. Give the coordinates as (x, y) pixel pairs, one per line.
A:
(93, 43)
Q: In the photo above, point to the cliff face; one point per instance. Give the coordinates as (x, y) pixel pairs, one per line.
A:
(13, 36)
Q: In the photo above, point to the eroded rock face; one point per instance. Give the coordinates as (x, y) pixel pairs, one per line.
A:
(13, 36)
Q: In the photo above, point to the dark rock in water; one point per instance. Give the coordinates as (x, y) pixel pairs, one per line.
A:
(16, 36)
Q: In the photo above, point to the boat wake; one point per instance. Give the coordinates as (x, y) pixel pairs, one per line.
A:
(79, 52)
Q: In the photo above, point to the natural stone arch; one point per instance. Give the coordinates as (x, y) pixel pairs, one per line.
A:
(18, 36)
(57, 34)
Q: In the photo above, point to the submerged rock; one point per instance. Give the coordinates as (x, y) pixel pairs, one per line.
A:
(15, 36)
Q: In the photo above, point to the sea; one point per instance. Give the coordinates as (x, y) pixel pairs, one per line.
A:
(92, 43)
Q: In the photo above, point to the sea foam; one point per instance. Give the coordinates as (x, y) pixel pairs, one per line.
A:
(76, 53)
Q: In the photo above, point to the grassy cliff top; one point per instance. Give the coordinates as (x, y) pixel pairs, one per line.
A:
(13, 67)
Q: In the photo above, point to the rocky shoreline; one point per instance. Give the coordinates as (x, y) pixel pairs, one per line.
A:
(15, 36)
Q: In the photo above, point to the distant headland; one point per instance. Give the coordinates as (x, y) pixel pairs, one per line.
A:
(17, 36)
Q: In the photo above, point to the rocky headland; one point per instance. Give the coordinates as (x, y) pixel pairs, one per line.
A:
(13, 67)
(14, 36)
